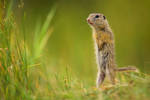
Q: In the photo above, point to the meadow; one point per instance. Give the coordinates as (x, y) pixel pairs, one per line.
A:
(47, 51)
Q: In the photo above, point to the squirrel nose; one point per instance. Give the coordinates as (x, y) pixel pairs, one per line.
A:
(88, 20)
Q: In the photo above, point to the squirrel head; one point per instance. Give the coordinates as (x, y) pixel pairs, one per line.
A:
(97, 21)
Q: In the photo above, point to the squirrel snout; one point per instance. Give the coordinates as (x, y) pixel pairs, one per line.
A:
(88, 20)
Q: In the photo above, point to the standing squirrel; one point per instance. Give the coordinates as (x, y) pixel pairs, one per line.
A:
(104, 47)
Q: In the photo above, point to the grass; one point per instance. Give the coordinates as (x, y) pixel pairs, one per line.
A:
(25, 76)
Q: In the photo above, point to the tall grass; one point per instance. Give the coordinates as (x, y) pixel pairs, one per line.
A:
(23, 76)
(42, 34)
(16, 58)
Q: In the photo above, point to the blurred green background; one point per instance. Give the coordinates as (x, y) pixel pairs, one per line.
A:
(71, 42)
(65, 68)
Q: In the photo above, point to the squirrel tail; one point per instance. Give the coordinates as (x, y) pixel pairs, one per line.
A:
(130, 68)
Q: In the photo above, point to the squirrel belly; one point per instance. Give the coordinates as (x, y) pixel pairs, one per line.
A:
(105, 57)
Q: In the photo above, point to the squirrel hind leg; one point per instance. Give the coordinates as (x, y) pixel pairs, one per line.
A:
(111, 75)
(100, 78)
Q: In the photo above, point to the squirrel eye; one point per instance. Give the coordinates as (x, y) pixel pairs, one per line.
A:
(97, 16)
(104, 17)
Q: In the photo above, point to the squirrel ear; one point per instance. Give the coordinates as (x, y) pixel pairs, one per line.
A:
(104, 17)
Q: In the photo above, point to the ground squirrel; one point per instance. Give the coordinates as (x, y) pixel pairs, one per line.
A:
(104, 46)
